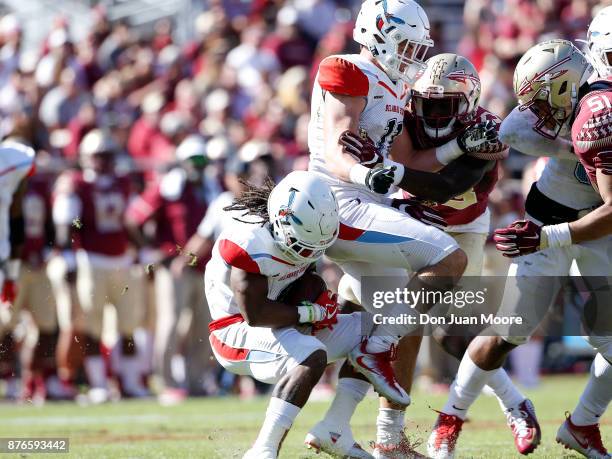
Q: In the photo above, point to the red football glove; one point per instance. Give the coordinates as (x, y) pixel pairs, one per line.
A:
(363, 149)
(9, 291)
(327, 305)
(419, 211)
(519, 238)
(603, 161)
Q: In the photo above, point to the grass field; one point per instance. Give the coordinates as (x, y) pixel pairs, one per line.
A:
(224, 428)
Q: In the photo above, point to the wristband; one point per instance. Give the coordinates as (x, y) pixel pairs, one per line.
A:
(447, 152)
(70, 259)
(358, 174)
(12, 269)
(305, 313)
(399, 170)
(553, 236)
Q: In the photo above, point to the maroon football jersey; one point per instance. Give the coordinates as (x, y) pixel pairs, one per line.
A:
(472, 204)
(37, 218)
(592, 127)
(101, 229)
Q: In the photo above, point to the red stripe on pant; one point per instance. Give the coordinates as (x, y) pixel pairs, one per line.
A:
(226, 351)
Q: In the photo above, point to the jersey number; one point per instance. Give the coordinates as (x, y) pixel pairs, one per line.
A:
(598, 103)
(393, 129)
(463, 201)
(109, 212)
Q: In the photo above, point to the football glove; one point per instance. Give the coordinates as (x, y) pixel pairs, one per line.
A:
(322, 313)
(361, 148)
(380, 179)
(519, 238)
(481, 141)
(419, 211)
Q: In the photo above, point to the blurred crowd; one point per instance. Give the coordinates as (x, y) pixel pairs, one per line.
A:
(183, 122)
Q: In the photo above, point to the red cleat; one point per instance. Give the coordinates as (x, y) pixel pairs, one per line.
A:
(444, 436)
(525, 428)
(584, 439)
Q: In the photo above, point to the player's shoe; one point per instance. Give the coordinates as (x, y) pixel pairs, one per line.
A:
(403, 449)
(376, 367)
(443, 438)
(336, 442)
(98, 395)
(524, 425)
(584, 439)
(260, 453)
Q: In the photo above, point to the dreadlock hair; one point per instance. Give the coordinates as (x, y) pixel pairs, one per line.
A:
(253, 201)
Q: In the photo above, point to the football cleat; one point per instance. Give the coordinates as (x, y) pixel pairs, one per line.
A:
(376, 367)
(336, 442)
(584, 439)
(443, 438)
(524, 425)
(403, 449)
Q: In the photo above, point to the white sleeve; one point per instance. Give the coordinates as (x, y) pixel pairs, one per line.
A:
(66, 208)
(517, 131)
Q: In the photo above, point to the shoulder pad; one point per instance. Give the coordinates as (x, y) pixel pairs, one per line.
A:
(340, 76)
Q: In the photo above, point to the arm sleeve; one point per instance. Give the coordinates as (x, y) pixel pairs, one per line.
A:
(517, 132)
(145, 206)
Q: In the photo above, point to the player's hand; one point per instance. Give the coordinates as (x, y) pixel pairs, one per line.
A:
(482, 141)
(380, 179)
(323, 312)
(519, 238)
(603, 161)
(361, 148)
(9, 291)
(419, 211)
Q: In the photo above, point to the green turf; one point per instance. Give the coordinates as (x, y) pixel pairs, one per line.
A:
(224, 428)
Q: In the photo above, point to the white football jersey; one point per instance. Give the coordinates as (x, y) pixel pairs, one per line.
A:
(563, 179)
(16, 162)
(251, 248)
(382, 118)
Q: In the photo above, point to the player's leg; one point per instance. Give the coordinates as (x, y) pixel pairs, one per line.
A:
(91, 287)
(528, 294)
(126, 293)
(580, 431)
(285, 357)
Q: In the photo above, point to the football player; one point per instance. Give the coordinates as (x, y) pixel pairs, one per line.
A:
(89, 207)
(16, 163)
(255, 330)
(551, 82)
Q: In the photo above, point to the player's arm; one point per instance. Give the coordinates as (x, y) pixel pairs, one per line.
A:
(517, 131)
(403, 152)
(65, 213)
(453, 180)
(251, 295)
(598, 223)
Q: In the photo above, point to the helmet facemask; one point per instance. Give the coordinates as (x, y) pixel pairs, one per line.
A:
(407, 61)
(438, 112)
(600, 55)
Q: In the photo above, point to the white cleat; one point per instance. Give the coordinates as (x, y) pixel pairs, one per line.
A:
(585, 440)
(98, 395)
(260, 453)
(376, 367)
(337, 442)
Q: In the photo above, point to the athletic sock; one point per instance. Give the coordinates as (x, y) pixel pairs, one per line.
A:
(95, 369)
(349, 393)
(504, 389)
(389, 426)
(279, 418)
(597, 394)
(467, 386)
(387, 334)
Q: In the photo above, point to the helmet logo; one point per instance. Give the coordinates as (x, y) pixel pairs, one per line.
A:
(286, 211)
(462, 77)
(527, 85)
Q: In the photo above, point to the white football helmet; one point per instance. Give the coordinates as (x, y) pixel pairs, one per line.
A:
(599, 42)
(397, 33)
(304, 216)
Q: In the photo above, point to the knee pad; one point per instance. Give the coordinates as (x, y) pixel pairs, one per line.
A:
(603, 345)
